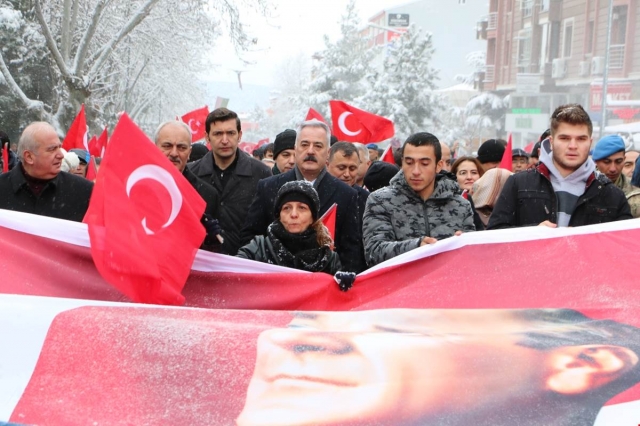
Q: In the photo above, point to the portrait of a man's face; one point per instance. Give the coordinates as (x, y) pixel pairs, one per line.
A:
(431, 367)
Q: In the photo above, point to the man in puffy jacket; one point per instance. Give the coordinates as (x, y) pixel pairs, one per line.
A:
(564, 189)
(419, 207)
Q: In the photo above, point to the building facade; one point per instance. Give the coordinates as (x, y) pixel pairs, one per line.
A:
(452, 25)
(544, 53)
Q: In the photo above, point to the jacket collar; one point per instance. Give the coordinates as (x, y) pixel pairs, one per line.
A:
(18, 180)
(544, 171)
(243, 168)
(444, 188)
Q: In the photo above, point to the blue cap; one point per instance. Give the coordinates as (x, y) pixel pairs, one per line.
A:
(372, 146)
(607, 146)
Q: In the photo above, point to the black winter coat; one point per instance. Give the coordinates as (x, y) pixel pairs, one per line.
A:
(349, 245)
(528, 199)
(236, 196)
(261, 249)
(210, 196)
(65, 197)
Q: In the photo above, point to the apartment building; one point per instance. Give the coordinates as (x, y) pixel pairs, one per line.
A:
(544, 53)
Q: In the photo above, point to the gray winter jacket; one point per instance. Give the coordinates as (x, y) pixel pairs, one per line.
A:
(396, 219)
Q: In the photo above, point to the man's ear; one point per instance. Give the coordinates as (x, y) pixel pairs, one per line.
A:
(28, 157)
(439, 166)
(576, 370)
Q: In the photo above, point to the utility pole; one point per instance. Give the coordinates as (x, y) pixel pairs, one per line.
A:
(605, 74)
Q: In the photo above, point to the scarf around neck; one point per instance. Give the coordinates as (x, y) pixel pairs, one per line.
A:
(299, 251)
(568, 189)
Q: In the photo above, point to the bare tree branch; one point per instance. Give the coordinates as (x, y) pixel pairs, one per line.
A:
(51, 44)
(16, 90)
(83, 47)
(135, 20)
(65, 32)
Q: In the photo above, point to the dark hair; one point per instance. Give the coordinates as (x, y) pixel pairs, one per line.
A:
(268, 147)
(258, 153)
(460, 160)
(424, 139)
(566, 327)
(4, 138)
(545, 135)
(221, 114)
(346, 148)
(570, 114)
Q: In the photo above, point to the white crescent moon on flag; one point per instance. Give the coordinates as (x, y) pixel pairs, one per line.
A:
(343, 126)
(85, 140)
(157, 173)
(193, 132)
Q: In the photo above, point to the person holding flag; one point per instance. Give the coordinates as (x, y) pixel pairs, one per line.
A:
(420, 206)
(296, 238)
(36, 185)
(9, 158)
(312, 153)
(563, 189)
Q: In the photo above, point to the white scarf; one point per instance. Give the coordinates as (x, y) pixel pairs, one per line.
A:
(568, 189)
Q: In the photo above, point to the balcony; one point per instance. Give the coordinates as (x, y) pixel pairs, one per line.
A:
(616, 56)
(489, 73)
(493, 21)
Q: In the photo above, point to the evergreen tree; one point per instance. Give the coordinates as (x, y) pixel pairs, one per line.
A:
(403, 90)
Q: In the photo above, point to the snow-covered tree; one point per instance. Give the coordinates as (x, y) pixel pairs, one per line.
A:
(341, 67)
(111, 55)
(403, 90)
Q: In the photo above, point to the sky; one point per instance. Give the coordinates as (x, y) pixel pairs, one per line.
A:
(296, 26)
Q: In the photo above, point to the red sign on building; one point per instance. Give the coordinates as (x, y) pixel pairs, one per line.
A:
(616, 92)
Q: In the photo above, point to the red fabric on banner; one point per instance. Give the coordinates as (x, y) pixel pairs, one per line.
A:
(144, 220)
(196, 120)
(77, 134)
(355, 125)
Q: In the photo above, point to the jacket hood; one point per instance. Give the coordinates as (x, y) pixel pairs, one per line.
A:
(444, 189)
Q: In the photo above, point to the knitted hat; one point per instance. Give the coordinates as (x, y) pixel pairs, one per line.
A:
(284, 140)
(607, 146)
(379, 175)
(487, 189)
(301, 191)
(198, 150)
(82, 154)
(519, 152)
(491, 151)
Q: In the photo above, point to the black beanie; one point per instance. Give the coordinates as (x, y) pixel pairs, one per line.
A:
(301, 191)
(379, 175)
(491, 151)
(198, 150)
(284, 140)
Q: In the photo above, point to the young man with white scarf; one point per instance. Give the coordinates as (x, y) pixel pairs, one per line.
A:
(564, 189)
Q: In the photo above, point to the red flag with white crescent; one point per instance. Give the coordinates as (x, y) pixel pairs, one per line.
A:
(77, 135)
(314, 115)
(507, 159)
(355, 125)
(144, 220)
(196, 120)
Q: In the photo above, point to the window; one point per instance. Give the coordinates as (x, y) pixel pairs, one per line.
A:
(524, 48)
(619, 27)
(567, 38)
(544, 5)
(527, 8)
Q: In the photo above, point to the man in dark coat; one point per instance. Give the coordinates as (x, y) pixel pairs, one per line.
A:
(36, 185)
(312, 151)
(564, 189)
(174, 140)
(232, 172)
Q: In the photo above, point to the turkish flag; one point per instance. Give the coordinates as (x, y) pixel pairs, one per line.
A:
(98, 146)
(329, 220)
(355, 125)
(247, 147)
(92, 170)
(262, 142)
(5, 158)
(144, 220)
(314, 115)
(77, 134)
(387, 156)
(507, 160)
(196, 121)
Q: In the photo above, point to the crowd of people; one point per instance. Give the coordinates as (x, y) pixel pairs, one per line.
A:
(268, 207)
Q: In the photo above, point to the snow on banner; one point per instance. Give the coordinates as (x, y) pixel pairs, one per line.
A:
(381, 365)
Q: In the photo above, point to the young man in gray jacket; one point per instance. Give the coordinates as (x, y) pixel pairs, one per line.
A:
(419, 207)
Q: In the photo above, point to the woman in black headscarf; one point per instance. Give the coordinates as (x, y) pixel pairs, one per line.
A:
(296, 238)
